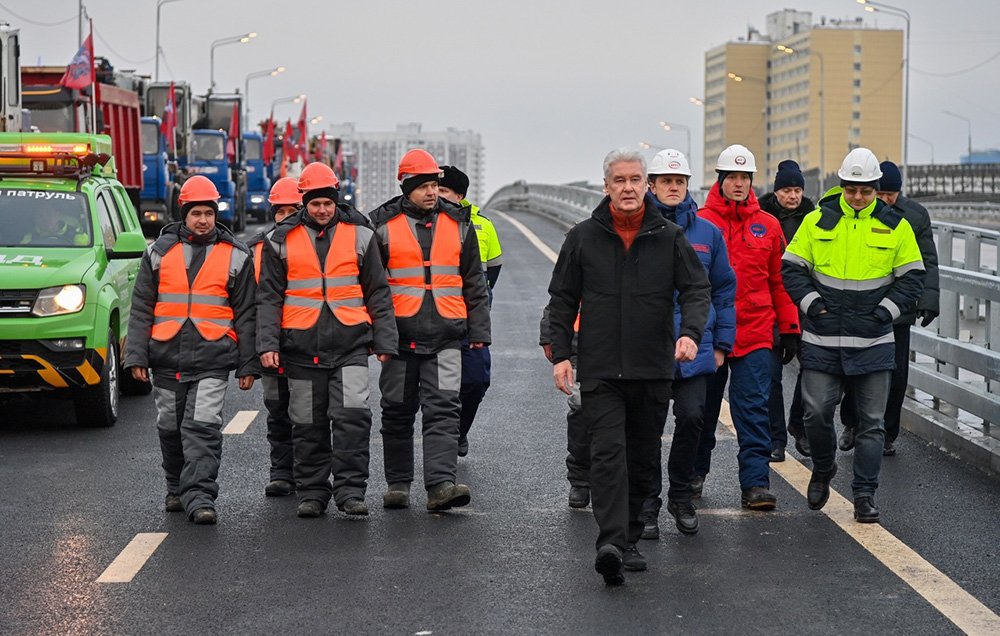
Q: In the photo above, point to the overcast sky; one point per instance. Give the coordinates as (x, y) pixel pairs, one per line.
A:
(551, 86)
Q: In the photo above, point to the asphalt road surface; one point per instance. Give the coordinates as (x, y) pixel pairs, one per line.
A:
(516, 561)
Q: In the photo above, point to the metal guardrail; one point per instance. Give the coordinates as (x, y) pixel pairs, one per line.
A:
(966, 284)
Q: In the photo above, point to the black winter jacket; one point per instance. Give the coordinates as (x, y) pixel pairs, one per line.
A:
(920, 220)
(188, 356)
(328, 344)
(626, 298)
(790, 219)
(428, 331)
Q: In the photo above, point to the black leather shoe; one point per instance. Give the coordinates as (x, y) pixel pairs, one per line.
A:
(650, 528)
(697, 485)
(778, 454)
(888, 450)
(684, 516)
(310, 508)
(758, 498)
(279, 488)
(172, 503)
(463, 446)
(819, 488)
(802, 445)
(846, 441)
(865, 510)
(632, 559)
(354, 506)
(579, 496)
(207, 517)
(609, 564)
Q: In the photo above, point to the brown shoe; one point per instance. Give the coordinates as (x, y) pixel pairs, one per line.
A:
(446, 495)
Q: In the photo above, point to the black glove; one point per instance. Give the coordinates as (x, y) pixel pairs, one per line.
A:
(789, 347)
(926, 317)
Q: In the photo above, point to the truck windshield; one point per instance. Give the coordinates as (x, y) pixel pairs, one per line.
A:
(252, 147)
(208, 148)
(150, 138)
(42, 218)
(49, 117)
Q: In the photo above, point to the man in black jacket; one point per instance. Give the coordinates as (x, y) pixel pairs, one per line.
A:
(620, 270)
(927, 309)
(786, 203)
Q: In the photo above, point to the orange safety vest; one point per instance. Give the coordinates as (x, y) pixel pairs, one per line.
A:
(206, 304)
(407, 268)
(258, 253)
(309, 288)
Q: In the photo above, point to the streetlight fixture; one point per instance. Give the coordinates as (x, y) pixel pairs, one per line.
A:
(967, 121)
(295, 99)
(236, 39)
(315, 120)
(871, 6)
(926, 142)
(787, 50)
(160, 3)
(669, 127)
(246, 87)
(645, 145)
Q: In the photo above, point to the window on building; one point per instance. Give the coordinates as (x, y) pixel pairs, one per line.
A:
(856, 99)
(856, 115)
(857, 49)
(857, 66)
(857, 83)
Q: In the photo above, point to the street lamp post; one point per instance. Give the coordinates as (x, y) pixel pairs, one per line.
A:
(160, 3)
(236, 39)
(871, 6)
(967, 121)
(822, 113)
(706, 102)
(926, 142)
(669, 127)
(295, 99)
(645, 145)
(246, 88)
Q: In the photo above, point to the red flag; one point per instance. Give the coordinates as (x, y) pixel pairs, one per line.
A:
(234, 133)
(288, 145)
(80, 73)
(169, 123)
(321, 147)
(338, 163)
(303, 134)
(268, 152)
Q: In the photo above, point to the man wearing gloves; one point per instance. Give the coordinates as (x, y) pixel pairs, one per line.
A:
(192, 322)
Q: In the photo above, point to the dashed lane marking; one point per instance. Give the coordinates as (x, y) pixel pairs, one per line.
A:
(238, 425)
(946, 596)
(128, 563)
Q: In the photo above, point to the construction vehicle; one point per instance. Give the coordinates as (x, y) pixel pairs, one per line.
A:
(258, 178)
(208, 158)
(217, 115)
(158, 197)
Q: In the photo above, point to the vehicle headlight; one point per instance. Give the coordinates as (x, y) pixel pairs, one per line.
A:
(256, 199)
(55, 301)
(223, 206)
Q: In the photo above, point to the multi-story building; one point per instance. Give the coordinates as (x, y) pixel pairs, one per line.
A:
(377, 155)
(803, 91)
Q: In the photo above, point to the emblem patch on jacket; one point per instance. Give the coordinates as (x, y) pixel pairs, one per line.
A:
(758, 230)
(698, 247)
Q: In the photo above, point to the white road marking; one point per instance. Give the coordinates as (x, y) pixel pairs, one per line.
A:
(238, 425)
(947, 597)
(128, 563)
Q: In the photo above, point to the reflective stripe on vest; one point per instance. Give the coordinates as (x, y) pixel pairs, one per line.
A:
(407, 269)
(206, 304)
(309, 288)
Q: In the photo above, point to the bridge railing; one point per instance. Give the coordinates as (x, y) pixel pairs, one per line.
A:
(964, 373)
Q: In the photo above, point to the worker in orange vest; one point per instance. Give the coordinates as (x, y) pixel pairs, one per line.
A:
(439, 296)
(285, 200)
(192, 321)
(323, 307)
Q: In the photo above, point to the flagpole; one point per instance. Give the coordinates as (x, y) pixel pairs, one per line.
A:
(93, 77)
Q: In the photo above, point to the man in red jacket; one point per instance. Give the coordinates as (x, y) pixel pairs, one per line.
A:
(755, 243)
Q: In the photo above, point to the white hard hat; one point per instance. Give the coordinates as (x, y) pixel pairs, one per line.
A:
(736, 158)
(860, 165)
(670, 161)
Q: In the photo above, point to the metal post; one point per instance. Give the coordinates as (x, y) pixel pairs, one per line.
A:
(822, 124)
(973, 249)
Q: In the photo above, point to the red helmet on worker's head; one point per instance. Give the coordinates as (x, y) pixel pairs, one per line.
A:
(417, 161)
(198, 189)
(285, 191)
(317, 175)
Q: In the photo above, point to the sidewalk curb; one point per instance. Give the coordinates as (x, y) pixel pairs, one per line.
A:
(965, 442)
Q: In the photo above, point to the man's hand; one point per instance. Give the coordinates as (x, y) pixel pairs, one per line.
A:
(562, 373)
(477, 345)
(720, 358)
(547, 350)
(140, 373)
(789, 346)
(926, 317)
(685, 350)
(246, 382)
(270, 360)
(384, 357)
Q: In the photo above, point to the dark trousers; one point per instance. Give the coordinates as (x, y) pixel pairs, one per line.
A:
(625, 418)
(331, 429)
(776, 405)
(476, 365)
(689, 415)
(820, 394)
(189, 425)
(279, 426)
(429, 382)
(897, 388)
(577, 442)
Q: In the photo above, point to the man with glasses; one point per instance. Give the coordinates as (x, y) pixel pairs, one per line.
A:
(852, 268)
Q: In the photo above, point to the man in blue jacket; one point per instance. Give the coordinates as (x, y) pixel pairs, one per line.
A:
(669, 173)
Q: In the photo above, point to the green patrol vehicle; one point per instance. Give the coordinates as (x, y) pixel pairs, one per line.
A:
(70, 244)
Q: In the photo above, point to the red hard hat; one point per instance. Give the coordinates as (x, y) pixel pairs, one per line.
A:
(198, 188)
(285, 191)
(417, 161)
(317, 175)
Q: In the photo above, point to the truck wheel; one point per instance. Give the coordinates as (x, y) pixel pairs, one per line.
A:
(97, 406)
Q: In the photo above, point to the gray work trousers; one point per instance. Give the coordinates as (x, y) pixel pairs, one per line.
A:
(279, 426)
(189, 424)
(325, 404)
(430, 382)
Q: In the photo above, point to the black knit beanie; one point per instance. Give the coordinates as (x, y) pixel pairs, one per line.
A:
(789, 175)
(412, 183)
(186, 207)
(320, 193)
(455, 179)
